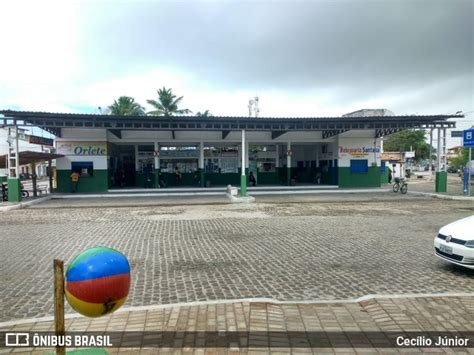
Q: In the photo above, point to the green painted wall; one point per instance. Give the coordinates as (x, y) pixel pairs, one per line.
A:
(384, 177)
(3, 179)
(268, 179)
(97, 183)
(140, 180)
(217, 179)
(370, 179)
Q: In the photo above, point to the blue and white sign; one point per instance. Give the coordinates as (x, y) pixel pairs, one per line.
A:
(468, 138)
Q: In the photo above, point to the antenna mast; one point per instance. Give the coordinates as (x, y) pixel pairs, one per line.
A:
(253, 107)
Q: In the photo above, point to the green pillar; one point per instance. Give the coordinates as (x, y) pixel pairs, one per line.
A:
(201, 177)
(441, 183)
(157, 178)
(288, 176)
(14, 190)
(243, 185)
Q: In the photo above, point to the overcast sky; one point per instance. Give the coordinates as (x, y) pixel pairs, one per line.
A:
(302, 58)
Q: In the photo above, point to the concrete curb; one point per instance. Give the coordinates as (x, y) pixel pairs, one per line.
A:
(25, 204)
(220, 193)
(249, 300)
(442, 197)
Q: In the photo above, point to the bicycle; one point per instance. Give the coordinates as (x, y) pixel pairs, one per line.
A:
(400, 185)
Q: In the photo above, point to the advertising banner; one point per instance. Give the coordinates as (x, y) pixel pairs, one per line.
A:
(82, 148)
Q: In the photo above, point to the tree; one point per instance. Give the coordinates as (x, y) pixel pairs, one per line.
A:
(204, 114)
(460, 161)
(126, 106)
(167, 104)
(406, 140)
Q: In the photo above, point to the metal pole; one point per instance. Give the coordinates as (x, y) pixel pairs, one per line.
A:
(469, 166)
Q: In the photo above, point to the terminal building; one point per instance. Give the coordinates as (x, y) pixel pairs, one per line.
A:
(116, 152)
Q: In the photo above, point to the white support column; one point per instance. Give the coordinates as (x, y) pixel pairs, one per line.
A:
(288, 163)
(201, 155)
(247, 160)
(430, 169)
(244, 153)
(288, 154)
(243, 177)
(444, 161)
(157, 155)
(277, 158)
(317, 155)
(438, 152)
(137, 167)
(17, 153)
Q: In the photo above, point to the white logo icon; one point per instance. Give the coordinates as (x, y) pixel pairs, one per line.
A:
(17, 339)
(468, 136)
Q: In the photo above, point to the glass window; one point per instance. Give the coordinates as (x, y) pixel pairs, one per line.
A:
(359, 166)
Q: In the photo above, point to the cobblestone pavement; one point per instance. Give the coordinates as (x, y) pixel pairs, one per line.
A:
(326, 328)
(287, 251)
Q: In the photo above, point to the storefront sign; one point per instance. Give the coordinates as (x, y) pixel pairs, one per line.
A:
(358, 151)
(82, 148)
(179, 153)
(40, 140)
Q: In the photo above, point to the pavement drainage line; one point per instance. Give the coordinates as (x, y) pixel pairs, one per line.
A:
(249, 300)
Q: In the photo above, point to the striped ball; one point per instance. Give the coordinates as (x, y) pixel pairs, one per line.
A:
(97, 281)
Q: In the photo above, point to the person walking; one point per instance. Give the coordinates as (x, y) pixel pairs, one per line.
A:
(74, 180)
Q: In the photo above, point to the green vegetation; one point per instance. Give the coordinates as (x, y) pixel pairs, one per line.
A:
(126, 106)
(167, 104)
(406, 140)
(204, 114)
(460, 161)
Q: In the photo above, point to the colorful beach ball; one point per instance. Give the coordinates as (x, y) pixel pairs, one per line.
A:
(97, 281)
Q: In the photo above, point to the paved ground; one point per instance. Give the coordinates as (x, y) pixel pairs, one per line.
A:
(351, 328)
(455, 185)
(325, 248)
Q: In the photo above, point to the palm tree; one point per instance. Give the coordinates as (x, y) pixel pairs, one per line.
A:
(126, 106)
(167, 104)
(204, 114)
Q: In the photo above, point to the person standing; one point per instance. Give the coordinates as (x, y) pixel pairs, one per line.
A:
(252, 179)
(74, 180)
(177, 175)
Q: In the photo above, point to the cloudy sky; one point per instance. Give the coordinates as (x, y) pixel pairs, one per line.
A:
(302, 58)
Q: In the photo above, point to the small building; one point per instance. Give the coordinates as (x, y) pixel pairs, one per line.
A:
(25, 144)
(116, 152)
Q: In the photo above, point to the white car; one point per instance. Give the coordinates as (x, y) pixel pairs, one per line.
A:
(455, 242)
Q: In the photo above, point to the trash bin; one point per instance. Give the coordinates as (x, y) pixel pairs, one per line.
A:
(208, 183)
